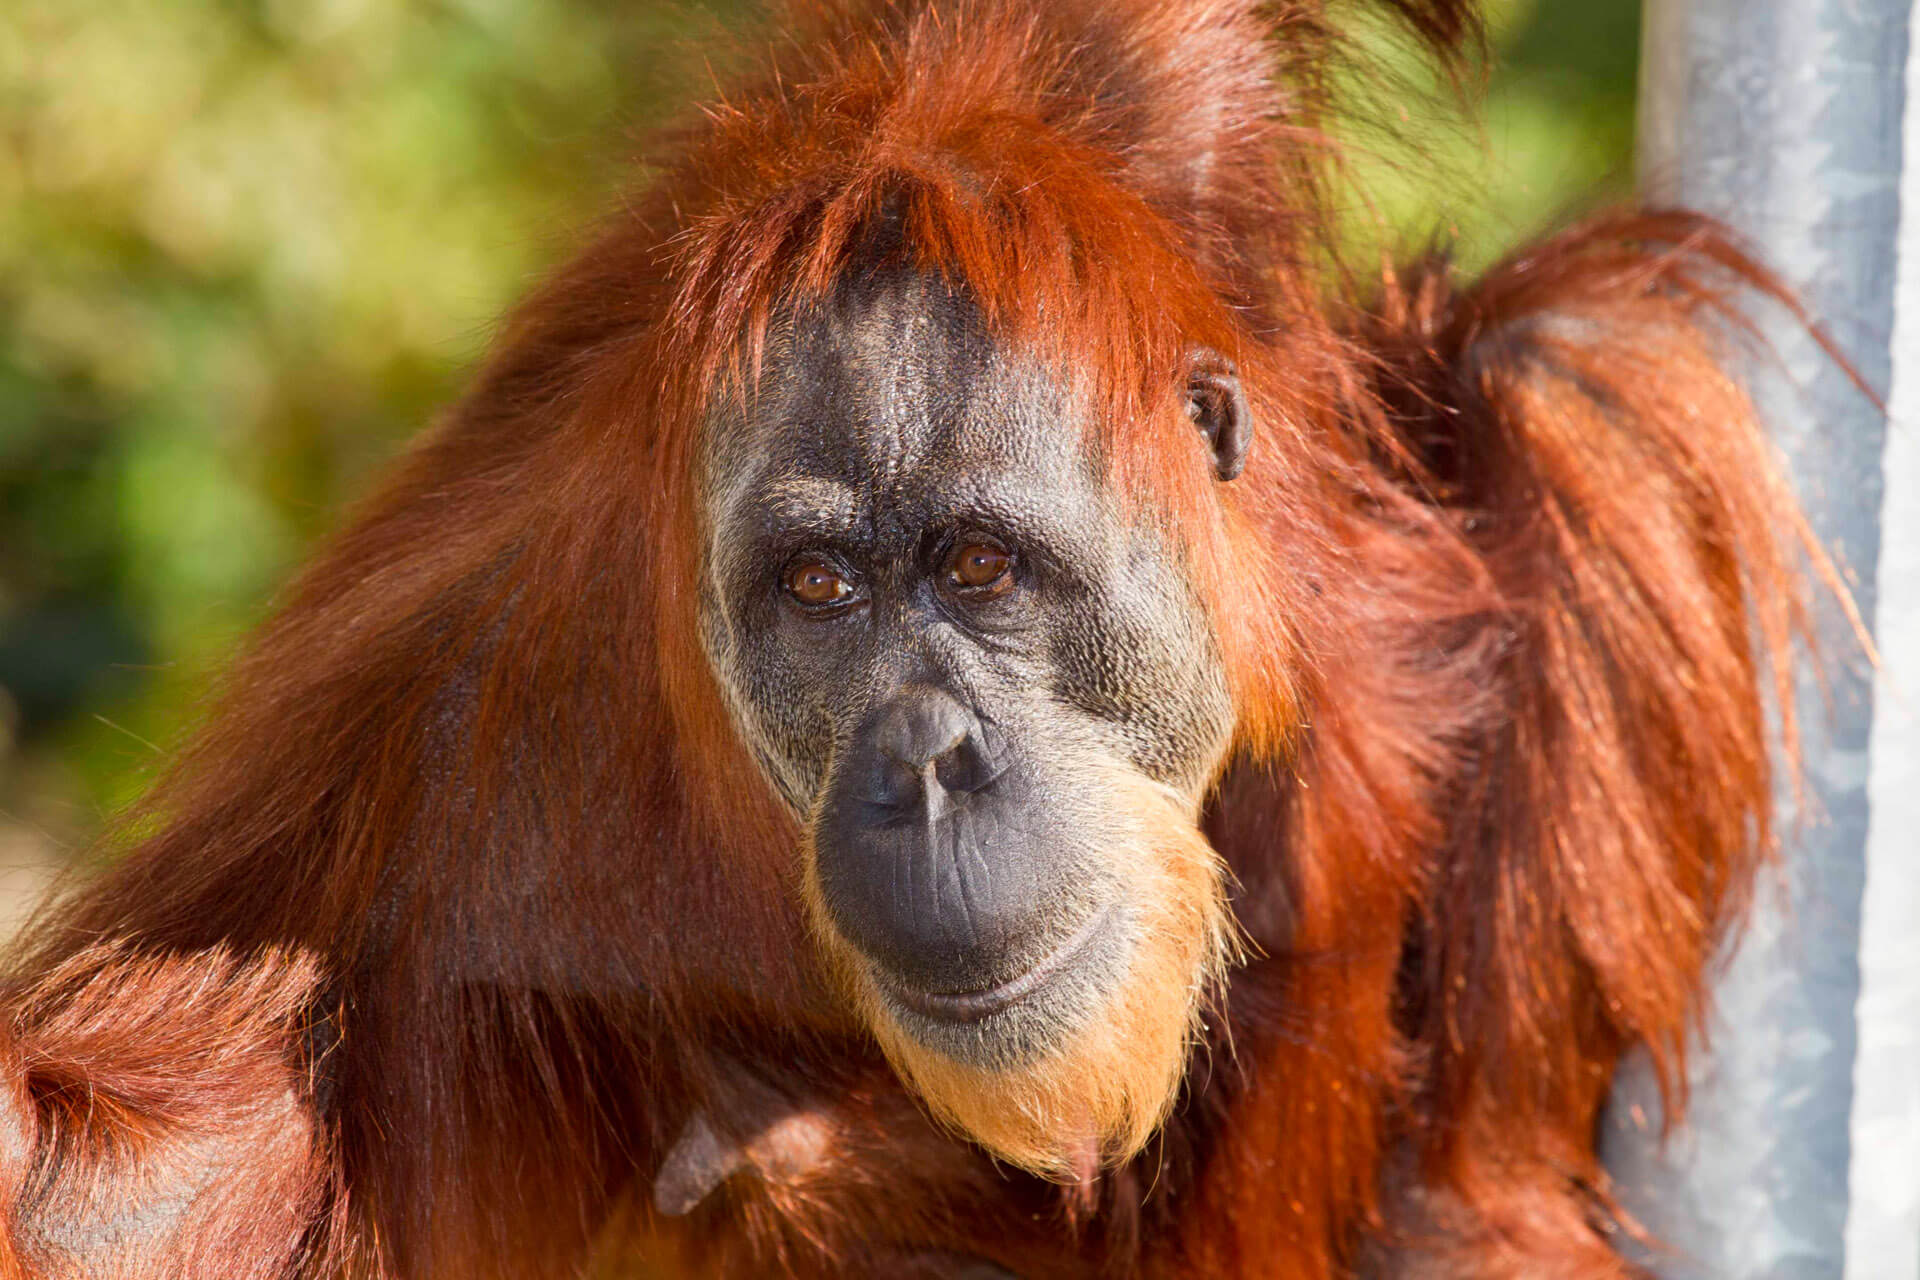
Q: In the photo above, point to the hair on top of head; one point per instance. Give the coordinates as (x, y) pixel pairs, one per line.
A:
(474, 893)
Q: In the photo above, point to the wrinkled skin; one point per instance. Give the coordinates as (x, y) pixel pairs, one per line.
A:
(939, 738)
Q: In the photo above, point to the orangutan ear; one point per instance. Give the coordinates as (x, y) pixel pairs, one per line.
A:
(1218, 408)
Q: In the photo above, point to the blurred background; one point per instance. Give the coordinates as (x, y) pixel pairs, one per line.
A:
(248, 246)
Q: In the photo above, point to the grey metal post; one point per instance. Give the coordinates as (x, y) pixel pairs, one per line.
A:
(1791, 119)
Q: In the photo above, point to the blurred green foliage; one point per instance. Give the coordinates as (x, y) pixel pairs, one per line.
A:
(248, 246)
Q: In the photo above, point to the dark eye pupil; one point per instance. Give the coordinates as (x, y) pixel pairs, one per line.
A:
(816, 583)
(979, 565)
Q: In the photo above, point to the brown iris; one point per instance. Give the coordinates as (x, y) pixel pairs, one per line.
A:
(817, 584)
(980, 568)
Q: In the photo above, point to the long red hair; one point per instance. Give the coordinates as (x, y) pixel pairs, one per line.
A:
(1504, 593)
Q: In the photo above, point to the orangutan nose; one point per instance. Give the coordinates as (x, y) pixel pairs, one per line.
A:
(924, 751)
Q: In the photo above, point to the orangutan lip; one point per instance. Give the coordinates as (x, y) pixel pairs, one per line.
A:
(973, 1006)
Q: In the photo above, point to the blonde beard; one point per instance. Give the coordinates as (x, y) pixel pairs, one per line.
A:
(1097, 1094)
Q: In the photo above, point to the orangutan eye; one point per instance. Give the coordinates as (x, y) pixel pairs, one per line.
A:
(978, 568)
(817, 584)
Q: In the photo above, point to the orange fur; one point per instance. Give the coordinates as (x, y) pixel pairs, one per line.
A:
(1097, 1098)
(1503, 594)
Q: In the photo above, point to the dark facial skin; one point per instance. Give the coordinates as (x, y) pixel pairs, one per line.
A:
(939, 629)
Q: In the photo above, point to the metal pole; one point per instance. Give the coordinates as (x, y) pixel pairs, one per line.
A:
(1801, 1157)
